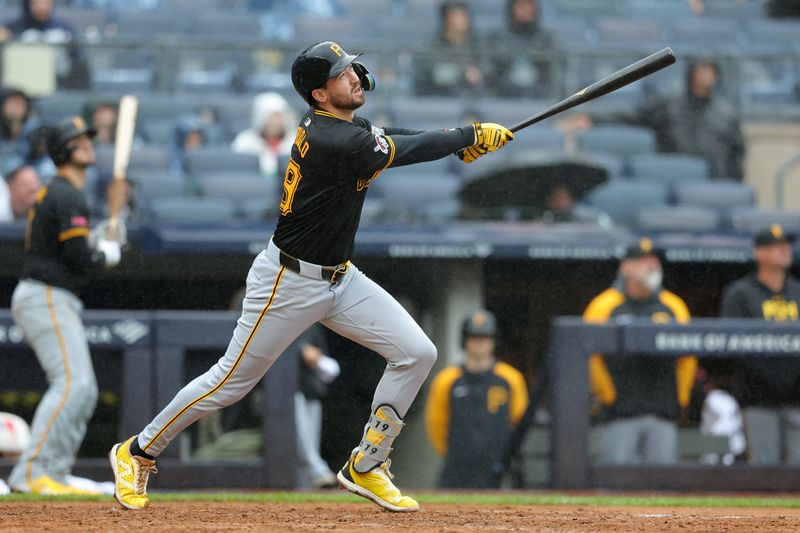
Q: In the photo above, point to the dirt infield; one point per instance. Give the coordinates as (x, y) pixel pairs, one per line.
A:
(219, 516)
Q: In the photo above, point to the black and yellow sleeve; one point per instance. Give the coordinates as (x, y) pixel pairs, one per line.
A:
(437, 410)
(518, 401)
(685, 367)
(599, 311)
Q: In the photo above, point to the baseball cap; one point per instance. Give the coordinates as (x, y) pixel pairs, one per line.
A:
(773, 235)
(641, 248)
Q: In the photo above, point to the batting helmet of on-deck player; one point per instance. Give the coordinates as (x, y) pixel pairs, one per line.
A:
(322, 61)
(481, 323)
(61, 134)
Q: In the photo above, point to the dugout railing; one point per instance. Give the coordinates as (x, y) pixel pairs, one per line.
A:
(572, 342)
(152, 349)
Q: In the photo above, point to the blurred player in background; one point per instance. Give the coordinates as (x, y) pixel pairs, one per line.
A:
(768, 388)
(472, 409)
(642, 397)
(47, 307)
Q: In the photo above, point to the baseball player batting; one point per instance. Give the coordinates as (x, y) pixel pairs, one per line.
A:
(305, 276)
(46, 306)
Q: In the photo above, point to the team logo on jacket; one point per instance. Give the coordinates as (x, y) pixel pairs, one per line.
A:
(79, 221)
(382, 145)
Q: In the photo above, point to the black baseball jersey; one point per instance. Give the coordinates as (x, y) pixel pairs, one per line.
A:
(332, 165)
(769, 381)
(56, 246)
(470, 417)
(632, 386)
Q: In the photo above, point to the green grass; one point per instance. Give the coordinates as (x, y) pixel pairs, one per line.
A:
(500, 498)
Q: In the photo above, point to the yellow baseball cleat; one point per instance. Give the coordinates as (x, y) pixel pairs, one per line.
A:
(45, 485)
(376, 485)
(131, 473)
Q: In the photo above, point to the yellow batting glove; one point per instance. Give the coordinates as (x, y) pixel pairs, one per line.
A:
(491, 136)
(471, 153)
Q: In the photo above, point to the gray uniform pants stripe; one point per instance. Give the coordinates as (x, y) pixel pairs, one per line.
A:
(50, 319)
(278, 306)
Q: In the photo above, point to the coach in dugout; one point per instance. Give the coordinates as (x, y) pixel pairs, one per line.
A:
(768, 388)
(642, 397)
(472, 409)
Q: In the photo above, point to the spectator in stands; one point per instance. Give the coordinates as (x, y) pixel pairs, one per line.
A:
(513, 72)
(15, 121)
(640, 398)
(103, 118)
(38, 24)
(271, 133)
(189, 136)
(451, 65)
(696, 123)
(768, 388)
(21, 186)
(472, 409)
(317, 371)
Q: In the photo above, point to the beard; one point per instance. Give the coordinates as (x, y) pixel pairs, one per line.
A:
(350, 101)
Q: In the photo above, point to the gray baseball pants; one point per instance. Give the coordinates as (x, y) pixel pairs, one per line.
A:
(279, 305)
(50, 319)
(646, 439)
(773, 435)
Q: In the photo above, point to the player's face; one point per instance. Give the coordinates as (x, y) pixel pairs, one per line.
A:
(778, 255)
(479, 348)
(83, 153)
(344, 91)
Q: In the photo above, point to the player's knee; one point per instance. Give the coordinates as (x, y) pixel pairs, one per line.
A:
(85, 391)
(425, 354)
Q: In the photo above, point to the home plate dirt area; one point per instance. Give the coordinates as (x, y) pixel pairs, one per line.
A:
(26, 516)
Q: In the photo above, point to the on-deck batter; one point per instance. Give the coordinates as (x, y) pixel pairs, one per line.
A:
(305, 276)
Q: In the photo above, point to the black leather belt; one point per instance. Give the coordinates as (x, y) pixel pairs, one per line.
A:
(328, 273)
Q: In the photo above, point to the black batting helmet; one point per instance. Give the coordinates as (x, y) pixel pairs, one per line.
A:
(481, 323)
(61, 134)
(322, 61)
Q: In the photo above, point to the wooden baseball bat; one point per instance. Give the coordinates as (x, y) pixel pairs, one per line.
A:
(126, 124)
(621, 78)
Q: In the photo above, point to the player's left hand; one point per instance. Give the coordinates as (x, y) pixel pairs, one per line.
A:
(102, 231)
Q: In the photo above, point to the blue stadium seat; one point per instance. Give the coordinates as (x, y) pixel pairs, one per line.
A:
(411, 194)
(678, 218)
(206, 81)
(310, 29)
(568, 31)
(239, 187)
(619, 140)
(213, 159)
(591, 9)
(151, 185)
(133, 23)
(629, 31)
(537, 138)
(664, 12)
(622, 200)
(714, 194)
(413, 112)
(82, 20)
(158, 132)
(258, 209)
(188, 209)
(705, 31)
(754, 219)
(226, 24)
(772, 33)
(668, 168)
(57, 106)
(117, 80)
(149, 158)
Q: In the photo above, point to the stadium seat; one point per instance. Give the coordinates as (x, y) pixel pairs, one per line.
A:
(619, 140)
(152, 184)
(709, 32)
(61, 105)
(373, 210)
(664, 12)
(258, 209)
(83, 20)
(159, 132)
(622, 200)
(410, 195)
(239, 187)
(206, 81)
(308, 29)
(591, 9)
(116, 80)
(568, 31)
(629, 31)
(668, 168)
(614, 165)
(420, 111)
(754, 219)
(227, 24)
(714, 194)
(213, 159)
(149, 158)
(678, 218)
(771, 33)
(188, 209)
(133, 23)
(537, 138)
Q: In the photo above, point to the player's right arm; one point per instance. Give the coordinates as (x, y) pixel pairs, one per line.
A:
(437, 410)
(72, 220)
